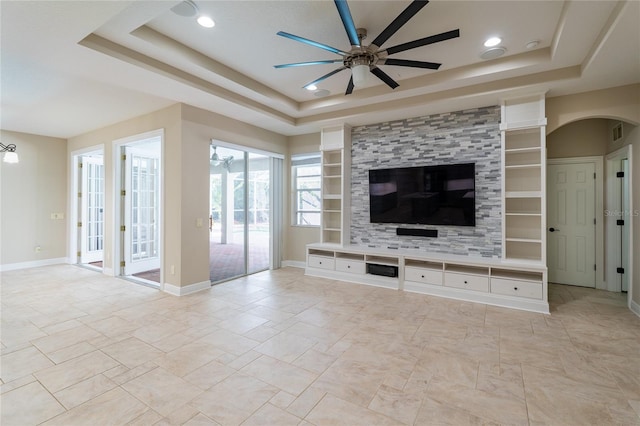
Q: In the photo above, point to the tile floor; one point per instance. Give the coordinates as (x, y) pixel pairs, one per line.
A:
(279, 348)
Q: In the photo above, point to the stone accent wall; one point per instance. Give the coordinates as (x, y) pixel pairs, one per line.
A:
(469, 136)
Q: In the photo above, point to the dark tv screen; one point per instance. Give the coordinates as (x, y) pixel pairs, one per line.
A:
(429, 195)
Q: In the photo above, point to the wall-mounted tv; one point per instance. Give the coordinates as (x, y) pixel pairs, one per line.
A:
(429, 195)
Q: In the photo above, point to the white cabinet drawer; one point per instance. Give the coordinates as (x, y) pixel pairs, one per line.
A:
(349, 265)
(530, 289)
(467, 282)
(321, 262)
(422, 275)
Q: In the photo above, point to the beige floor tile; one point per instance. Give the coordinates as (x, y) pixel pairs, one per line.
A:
(396, 404)
(286, 377)
(189, 357)
(28, 405)
(303, 404)
(162, 391)
(74, 371)
(201, 420)
(352, 381)
(83, 391)
(285, 346)
(269, 415)
(209, 375)
(377, 353)
(132, 352)
(22, 363)
(229, 342)
(70, 352)
(315, 361)
(65, 338)
(436, 413)
(235, 399)
(116, 407)
(335, 411)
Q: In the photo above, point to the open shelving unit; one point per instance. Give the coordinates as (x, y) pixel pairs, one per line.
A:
(335, 151)
(524, 167)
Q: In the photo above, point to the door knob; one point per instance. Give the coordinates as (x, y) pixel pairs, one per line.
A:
(553, 229)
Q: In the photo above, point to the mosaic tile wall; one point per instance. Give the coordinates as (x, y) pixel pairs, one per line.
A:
(455, 137)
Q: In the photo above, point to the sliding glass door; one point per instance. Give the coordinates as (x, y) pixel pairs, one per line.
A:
(239, 222)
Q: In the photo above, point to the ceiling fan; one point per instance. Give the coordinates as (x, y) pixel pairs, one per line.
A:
(364, 59)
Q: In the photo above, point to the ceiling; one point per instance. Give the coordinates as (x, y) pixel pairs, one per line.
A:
(68, 67)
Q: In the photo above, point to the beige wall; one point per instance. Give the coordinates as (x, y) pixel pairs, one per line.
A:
(169, 120)
(297, 237)
(30, 192)
(618, 103)
(187, 132)
(582, 138)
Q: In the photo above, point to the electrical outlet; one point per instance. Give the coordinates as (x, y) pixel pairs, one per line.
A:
(38, 249)
(173, 269)
(199, 222)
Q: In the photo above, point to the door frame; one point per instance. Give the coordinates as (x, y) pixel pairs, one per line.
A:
(598, 162)
(276, 200)
(73, 217)
(613, 203)
(118, 220)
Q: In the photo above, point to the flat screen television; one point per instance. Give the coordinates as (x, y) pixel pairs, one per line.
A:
(429, 195)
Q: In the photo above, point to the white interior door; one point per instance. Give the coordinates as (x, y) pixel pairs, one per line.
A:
(92, 209)
(141, 211)
(571, 224)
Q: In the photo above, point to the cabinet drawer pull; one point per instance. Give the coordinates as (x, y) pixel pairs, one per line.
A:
(348, 266)
(515, 288)
(422, 276)
(466, 282)
(321, 262)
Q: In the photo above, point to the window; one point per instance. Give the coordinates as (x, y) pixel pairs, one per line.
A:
(305, 172)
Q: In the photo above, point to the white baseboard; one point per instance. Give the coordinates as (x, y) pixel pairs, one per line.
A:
(33, 264)
(293, 264)
(188, 289)
(635, 308)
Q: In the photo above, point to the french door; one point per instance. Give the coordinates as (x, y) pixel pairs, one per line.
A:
(91, 209)
(141, 211)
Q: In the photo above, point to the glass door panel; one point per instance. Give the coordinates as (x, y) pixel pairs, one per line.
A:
(227, 254)
(92, 210)
(258, 212)
(142, 177)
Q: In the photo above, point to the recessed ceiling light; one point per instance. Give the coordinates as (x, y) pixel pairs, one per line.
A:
(311, 87)
(493, 41)
(205, 21)
(493, 53)
(186, 8)
(532, 44)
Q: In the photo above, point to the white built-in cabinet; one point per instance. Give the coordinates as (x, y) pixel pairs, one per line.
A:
(523, 177)
(517, 280)
(335, 149)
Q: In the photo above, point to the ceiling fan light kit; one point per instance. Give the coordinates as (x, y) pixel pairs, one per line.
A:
(364, 60)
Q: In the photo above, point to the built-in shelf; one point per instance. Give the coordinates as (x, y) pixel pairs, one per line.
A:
(336, 188)
(523, 146)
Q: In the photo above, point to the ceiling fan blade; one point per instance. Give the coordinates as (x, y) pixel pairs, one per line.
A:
(400, 20)
(408, 63)
(347, 21)
(318, 80)
(384, 77)
(302, 64)
(312, 43)
(423, 41)
(350, 86)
